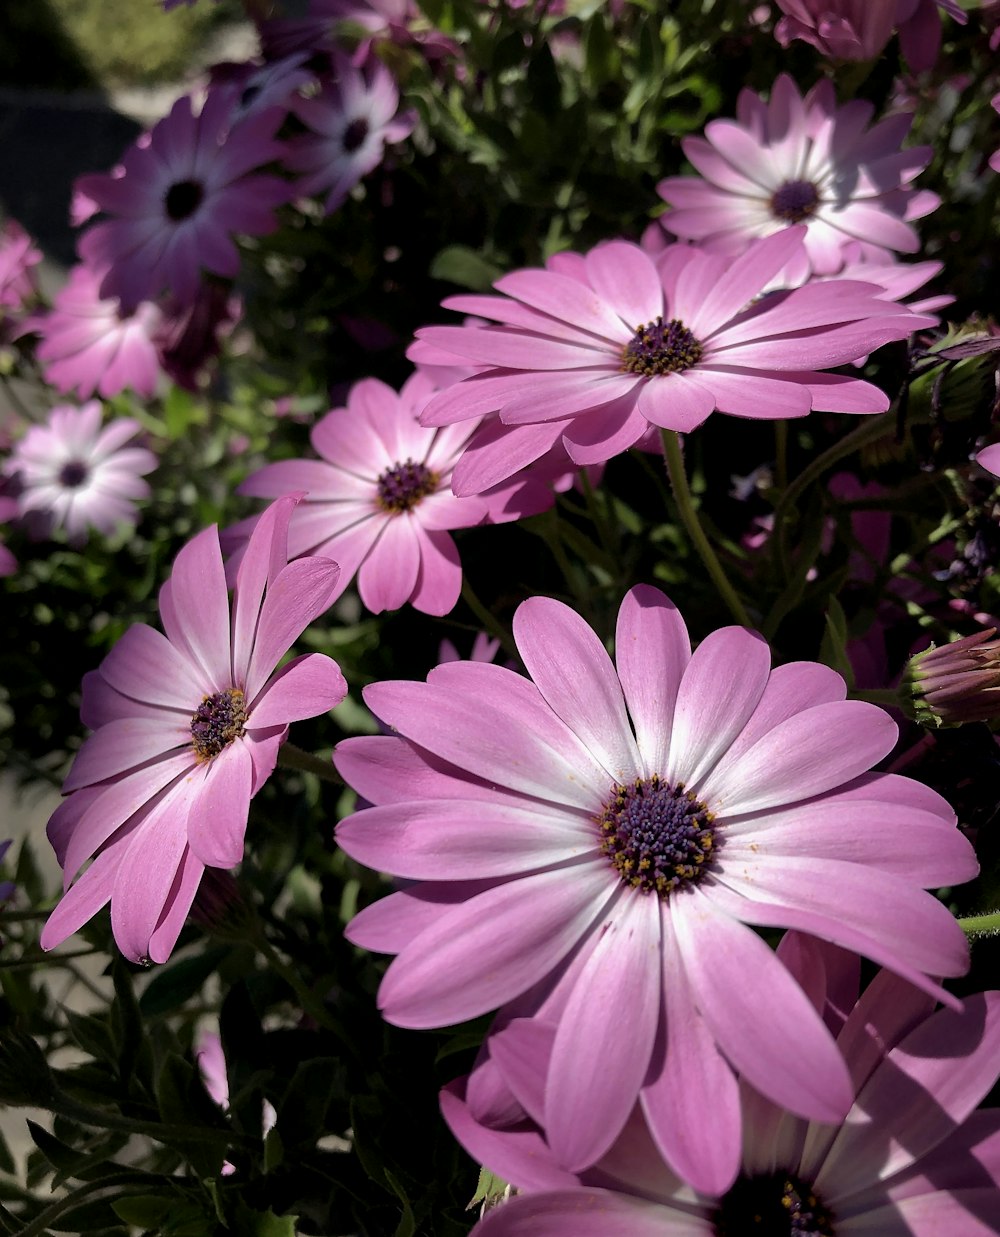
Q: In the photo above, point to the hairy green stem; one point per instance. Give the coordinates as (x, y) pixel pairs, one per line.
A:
(981, 925)
(689, 517)
(292, 757)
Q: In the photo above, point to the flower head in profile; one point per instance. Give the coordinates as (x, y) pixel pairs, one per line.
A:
(72, 474)
(379, 500)
(595, 349)
(173, 208)
(593, 847)
(802, 161)
(859, 30)
(88, 345)
(912, 1157)
(187, 727)
(350, 122)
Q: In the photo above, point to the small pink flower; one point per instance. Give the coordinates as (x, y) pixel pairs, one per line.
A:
(72, 474)
(593, 847)
(187, 728)
(181, 198)
(801, 161)
(17, 256)
(860, 29)
(912, 1157)
(350, 121)
(88, 345)
(379, 500)
(595, 350)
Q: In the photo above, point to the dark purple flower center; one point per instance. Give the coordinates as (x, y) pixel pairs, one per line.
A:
(658, 836)
(217, 721)
(402, 486)
(661, 348)
(183, 199)
(73, 474)
(355, 134)
(773, 1205)
(794, 201)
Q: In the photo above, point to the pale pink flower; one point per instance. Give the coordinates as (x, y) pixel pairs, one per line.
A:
(912, 1158)
(88, 345)
(187, 728)
(181, 198)
(379, 499)
(350, 121)
(860, 29)
(70, 473)
(595, 846)
(801, 161)
(17, 256)
(595, 351)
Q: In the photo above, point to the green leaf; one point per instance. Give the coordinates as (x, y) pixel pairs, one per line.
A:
(274, 1150)
(407, 1226)
(489, 1188)
(833, 647)
(302, 1111)
(144, 1210)
(175, 984)
(92, 1034)
(182, 1101)
(126, 1020)
(96, 1213)
(463, 266)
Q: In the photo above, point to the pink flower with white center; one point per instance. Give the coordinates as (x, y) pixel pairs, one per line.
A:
(594, 847)
(180, 199)
(17, 256)
(187, 728)
(595, 352)
(912, 1158)
(350, 121)
(89, 346)
(379, 499)
(70, 473)
(257, 87)
(801, 161)
(856, 30)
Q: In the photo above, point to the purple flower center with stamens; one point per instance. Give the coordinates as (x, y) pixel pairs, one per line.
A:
(402, 486)
(661, 348)
(794, 201)
(217, 721)
(183, 199)
(773, 1205)
(355, 134)
(73, 474)
(658, 836)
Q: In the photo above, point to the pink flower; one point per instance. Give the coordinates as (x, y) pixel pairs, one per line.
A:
(17, 256)
(70, 473)
(88, 345)
(484, 648)
(911, 1157)
(257, 87)
(351, 121)
(180, 199)
(859, 30)
(597, 351)
(801, 161)
(190, 334)
(605, 876)
(379, 500)
(187, 728)
(215, 1076)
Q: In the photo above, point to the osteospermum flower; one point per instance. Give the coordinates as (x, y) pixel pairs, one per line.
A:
(379, 500)
(801, 161)
(858, 30)
(180, 198)
(70, 473)
(350, 121)
(187, 728)
(600, 349)
(88, 345)
(911, 1159)
(593, 847)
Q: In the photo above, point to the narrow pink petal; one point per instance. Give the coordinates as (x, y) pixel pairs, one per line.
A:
(126, 744)
(194, 606)
(178, 904)
(386, 769)
(266, 554)
(588, 1212)
(145, 665)
(566, 299)
(306, 687)
(388, 575)
(625, 278)
(496, 452)
(973, 1211)
(146, 875)
(390, 924)
(599, 1059)
(217, 820)
(678, 402)
(744, 279)
(525, 928)
(90, 894)
(439, 578)
(747, 394)
(578, 681)
(522, 1053)
(791, 688)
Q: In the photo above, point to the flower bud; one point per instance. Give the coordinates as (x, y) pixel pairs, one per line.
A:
(951, 684)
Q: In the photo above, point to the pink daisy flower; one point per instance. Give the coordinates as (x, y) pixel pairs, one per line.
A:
(379, 499)
(801, 161)
(597, 351)
(350, 121)
(180, 199)
(187, 728)
(594, 847)
(858, 30)
(912, 1158)
(72, 474)
(88, 345)
(17, 256)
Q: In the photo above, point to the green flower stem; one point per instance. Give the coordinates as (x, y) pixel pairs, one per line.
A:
(40, 1225)
(488, 619)
(870, 430)
(689, 517)
(65, 1106)
(781, 454)
(887, 696)
(606, 529)
(981, 925)
(311, 1004)
(292, 757)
